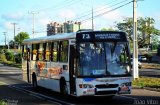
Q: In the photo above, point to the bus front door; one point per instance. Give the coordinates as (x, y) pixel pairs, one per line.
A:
(71, 70)
(28, 62)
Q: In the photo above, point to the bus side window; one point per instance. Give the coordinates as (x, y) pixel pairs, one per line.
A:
(24, 52)
(55, 52)
(47, 51)
(34, 51)
(40, 51)
(64, 51)
(44, 51)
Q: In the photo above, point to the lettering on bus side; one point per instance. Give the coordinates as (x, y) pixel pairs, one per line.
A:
(47, 72)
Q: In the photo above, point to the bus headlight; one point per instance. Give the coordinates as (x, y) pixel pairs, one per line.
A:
(85, 86)
(126, 84)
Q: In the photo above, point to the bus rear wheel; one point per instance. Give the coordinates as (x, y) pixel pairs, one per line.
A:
(63, 88)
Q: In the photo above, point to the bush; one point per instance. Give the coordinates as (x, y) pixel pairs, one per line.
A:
(148, 56)
(155, 47)
(9, 56)
(18, 58)
(2, 58)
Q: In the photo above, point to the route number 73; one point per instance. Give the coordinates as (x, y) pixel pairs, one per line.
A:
(86, 36)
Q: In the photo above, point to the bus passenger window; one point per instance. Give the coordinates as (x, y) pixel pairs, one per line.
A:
(24, 52)
(34, 52)
(64, 51)
(48, 51)
(40, 51)
(55, 52)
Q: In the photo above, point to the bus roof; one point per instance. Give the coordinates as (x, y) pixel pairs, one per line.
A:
(79, 36)
(62, 36)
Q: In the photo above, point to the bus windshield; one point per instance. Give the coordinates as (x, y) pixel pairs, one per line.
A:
(103, 59)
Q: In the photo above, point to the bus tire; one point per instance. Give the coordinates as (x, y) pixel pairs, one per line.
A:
(34, 81)
(109, 97)
(63, 87)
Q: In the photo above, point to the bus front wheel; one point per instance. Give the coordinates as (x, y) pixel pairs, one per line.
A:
(34, 81)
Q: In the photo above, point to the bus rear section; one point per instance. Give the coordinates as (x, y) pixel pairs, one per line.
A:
(101, 64)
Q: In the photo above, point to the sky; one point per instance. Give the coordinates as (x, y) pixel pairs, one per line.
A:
(45, 11)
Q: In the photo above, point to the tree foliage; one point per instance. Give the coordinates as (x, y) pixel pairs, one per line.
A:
(21, 36)
(107, 29)
(145, 29)
(13, 44)
(126, 26)
(9, 56)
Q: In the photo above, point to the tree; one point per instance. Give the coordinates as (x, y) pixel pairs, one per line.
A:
(126, 26)
(107, 29)
(20, 37)
(145, 29)
(11, 44)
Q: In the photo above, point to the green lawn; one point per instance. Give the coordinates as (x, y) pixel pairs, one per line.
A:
(10, 63)
(2, 102)
(147, 82)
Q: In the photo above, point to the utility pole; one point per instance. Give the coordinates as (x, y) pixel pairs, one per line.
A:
(92, 17)
(14, 25)
(33, 15)
(135, 43)
(4, 33)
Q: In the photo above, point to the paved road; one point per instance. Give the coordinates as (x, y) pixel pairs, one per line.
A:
(10, 76)
(150, 73)
(13, 89)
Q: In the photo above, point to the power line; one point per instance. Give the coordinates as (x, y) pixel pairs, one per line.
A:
(90, 12)
(101, 9)
(70, 2)
(106, 12)
(60, 6)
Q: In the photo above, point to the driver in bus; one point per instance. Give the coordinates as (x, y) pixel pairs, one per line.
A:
(86, 59)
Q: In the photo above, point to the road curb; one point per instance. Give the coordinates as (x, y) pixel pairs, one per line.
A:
(41, 96)
(147, 88)
(152, 89)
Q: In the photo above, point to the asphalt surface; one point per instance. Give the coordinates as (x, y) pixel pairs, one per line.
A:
(10, 76)
(154, 73)
(14, 90)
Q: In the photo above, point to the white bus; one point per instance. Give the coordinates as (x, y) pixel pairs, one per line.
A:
(85, 63)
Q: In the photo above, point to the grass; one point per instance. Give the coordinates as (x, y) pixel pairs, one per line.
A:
(2, 102)
(2, 83)
(15, 65)
(10, 63)
(146, 82)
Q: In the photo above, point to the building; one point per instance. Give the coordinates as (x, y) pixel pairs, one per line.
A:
(54, 28)
(67, 27)
(71, 26)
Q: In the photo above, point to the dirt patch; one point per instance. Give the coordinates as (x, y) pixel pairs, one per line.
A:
(151, 66)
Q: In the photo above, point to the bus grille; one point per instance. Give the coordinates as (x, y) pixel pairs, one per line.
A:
(105, 92)
(107, 86)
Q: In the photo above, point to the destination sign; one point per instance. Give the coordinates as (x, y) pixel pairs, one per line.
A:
(107, 36)
(101, 36)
